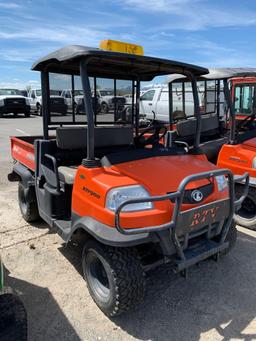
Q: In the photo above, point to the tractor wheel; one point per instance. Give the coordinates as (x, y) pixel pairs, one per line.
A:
(29, 210)
(231, 238)
(114, 277)
(13, 317)
(246, 215)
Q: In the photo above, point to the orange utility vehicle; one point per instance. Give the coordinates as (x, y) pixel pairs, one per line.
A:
(243, 92)
(228, 131)
(138, 203)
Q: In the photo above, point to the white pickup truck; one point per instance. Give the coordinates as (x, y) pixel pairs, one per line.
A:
(12, 101)
(156, 100)
(57, 103)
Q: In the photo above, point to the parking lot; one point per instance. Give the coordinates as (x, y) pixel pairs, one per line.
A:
(216, 302)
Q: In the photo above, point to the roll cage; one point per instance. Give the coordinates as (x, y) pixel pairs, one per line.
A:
(93, 62)
(221, 75)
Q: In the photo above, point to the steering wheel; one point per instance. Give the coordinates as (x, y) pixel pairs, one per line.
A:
(156, 134)
(246, 122)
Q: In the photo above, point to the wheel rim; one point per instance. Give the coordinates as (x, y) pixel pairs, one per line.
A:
(97, 277)
(248, 209)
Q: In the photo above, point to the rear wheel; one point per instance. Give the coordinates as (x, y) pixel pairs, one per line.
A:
(29, 209)
(114, 276)
(246, 215)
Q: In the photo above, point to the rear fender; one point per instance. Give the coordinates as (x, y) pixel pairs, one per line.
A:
(25, 176)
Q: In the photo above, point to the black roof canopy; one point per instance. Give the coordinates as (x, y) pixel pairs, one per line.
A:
(218, 74)
(109, 64)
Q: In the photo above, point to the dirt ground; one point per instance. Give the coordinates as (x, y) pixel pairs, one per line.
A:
(216, 302)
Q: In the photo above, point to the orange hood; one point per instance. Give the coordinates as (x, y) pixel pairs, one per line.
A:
(164, 173)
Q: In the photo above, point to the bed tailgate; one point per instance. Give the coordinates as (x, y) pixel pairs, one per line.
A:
(23, 152)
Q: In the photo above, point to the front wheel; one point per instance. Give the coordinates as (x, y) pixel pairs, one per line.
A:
(104, 108)
(28, 208)
(114, 276)
(231, 238)
(246, 215)
(39, 110)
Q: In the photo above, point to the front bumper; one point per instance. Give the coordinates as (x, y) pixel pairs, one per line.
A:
(209, 220)
(12, 108)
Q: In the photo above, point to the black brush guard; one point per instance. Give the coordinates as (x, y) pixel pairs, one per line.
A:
(185, 223)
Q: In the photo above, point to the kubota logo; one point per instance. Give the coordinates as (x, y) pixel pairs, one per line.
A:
(197, 195)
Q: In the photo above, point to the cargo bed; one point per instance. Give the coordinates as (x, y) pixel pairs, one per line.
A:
(22, 150)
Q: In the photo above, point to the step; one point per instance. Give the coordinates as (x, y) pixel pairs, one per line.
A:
(199, 253)
(63, 228)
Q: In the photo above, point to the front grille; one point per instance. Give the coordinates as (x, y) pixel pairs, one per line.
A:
(15, 101)
(56, 101)
(189, 195)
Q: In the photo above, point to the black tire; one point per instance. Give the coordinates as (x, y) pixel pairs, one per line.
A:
(246, 216)
(29, 210)
(39, 109)
(231, 238)
(13, 318)
(76, 109)
(114, 277)
(104, 108)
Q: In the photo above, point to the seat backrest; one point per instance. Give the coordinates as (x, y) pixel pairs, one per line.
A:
(188, 127)
(76, 137)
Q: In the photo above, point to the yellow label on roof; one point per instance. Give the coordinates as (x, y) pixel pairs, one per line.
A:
(119, 46)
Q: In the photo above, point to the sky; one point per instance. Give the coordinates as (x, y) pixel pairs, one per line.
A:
(208, 33)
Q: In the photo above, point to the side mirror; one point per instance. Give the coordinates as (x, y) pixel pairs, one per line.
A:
(33, 96)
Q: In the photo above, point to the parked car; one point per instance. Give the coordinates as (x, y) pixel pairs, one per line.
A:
(78, 101)
(156, 101)
(12, 101)
(57, 103)
(108, 101)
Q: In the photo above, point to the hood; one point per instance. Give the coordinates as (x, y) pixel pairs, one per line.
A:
(164, 173)
(250, 143)
(111, 96)
(11, 96)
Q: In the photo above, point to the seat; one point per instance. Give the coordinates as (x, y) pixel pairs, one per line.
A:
(74, 138)
(72, 142)
(67, 174)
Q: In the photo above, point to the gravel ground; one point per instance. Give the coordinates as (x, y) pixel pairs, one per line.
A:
(216, 302)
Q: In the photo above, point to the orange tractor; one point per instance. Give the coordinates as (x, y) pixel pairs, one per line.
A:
(228, 131)
(138, 203)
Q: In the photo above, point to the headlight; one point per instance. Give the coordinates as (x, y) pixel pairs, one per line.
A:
(221, 182)
(254, 162)
(27, 101)
(1, 102)
(117, 196)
